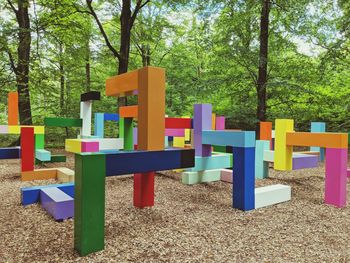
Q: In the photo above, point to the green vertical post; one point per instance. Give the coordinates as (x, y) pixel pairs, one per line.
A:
(128, 134)
(39, 141)
(89, 202)
(121, 127)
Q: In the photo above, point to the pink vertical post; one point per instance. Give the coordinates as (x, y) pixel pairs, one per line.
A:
(336, 176)
(220, 123)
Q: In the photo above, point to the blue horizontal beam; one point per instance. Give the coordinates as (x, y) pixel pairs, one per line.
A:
(148, 161)
(10, 153)
(31, 195)
(229, 138)
(111, 117)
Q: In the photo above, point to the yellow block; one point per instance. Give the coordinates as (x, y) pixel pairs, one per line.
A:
(16, 129)
(187, 131)
(65, 175)
(283, 153)
(213, 121)
(41, 174)
(73, 145)
(179, 142)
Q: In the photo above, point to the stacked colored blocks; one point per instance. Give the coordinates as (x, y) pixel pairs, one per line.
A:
(81, 145)
(57, 200)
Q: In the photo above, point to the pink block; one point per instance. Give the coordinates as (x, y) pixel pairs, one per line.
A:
(90, 146)
(226, 175)
(336, 176)
(4, 129)
(175, 132)
(348, 172)
(220, 123)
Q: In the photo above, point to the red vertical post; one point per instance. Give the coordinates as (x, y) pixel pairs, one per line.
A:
(144, 189)
(27, 149)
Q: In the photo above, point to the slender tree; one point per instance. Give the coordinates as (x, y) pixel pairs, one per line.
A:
(263, 59)
(21, 70)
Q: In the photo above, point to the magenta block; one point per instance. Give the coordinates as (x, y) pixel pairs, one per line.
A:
(90, 146)
(57, 203)
(336, 176)
(220, 123)
(226, 175)
(201, 121)
(348, 172)
(302, 161)
(175, 132)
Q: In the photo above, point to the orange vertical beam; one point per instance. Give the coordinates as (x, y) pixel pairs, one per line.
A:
(151, 109)
(13, 108)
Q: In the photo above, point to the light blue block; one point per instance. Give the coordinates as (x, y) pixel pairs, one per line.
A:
(166, 142)
(229, 138)
(99, 125)
(318, 127)
(42, 155)
(261, 167)
(213, 162)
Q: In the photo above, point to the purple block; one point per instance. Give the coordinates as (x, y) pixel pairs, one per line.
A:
(302, 161)
(201, 121)
(57, 203)
(220, 123)
(135, 136)
(175, 132)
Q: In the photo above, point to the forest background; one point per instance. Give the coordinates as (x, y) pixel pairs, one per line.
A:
(253, 60)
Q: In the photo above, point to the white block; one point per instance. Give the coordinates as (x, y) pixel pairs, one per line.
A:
(110, 143)
(201, 176)
(85, 114)
(269, 156)
(272, 194)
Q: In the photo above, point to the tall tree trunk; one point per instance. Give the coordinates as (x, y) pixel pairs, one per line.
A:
(146, 55)
(124, 50)
(22, 69)
(87, 72)
(62, 78)
(263, 59)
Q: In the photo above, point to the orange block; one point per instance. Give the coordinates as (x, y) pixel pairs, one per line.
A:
(123, 83)
(151, 109)
(13, 108)
(266, 131)
(128, 111)
(41, 174)
(321, 139)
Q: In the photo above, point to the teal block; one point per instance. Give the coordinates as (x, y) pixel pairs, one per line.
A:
(89, 202)
(231, 138)
(99, 125)
(166, 142)
(201, 176)
(213, 162)
(42, 155)
(318, 127)
(261, 167)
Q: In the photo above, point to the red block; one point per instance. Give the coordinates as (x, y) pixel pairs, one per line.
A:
(178, 123)
(27, 149)
(144, 189)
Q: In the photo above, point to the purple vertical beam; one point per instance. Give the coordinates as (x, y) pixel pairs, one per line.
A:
(135, 135)
(336, 176)
(220, 123)
(201, 122)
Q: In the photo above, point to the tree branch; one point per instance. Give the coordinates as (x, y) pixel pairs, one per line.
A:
(139, 6)
(12, 61)
(12, 7)
(108, 43)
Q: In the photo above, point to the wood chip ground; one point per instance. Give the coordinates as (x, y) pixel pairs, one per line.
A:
(187, 224)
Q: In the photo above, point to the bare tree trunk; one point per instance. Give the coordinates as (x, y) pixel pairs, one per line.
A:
(263, 59)
(22, 69)
(87, 65)
(62, 78)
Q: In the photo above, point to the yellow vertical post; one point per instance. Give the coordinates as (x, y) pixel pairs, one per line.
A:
(283, 153)
(213, 121)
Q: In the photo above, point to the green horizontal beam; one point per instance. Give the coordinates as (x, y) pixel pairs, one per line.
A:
(63, 122)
